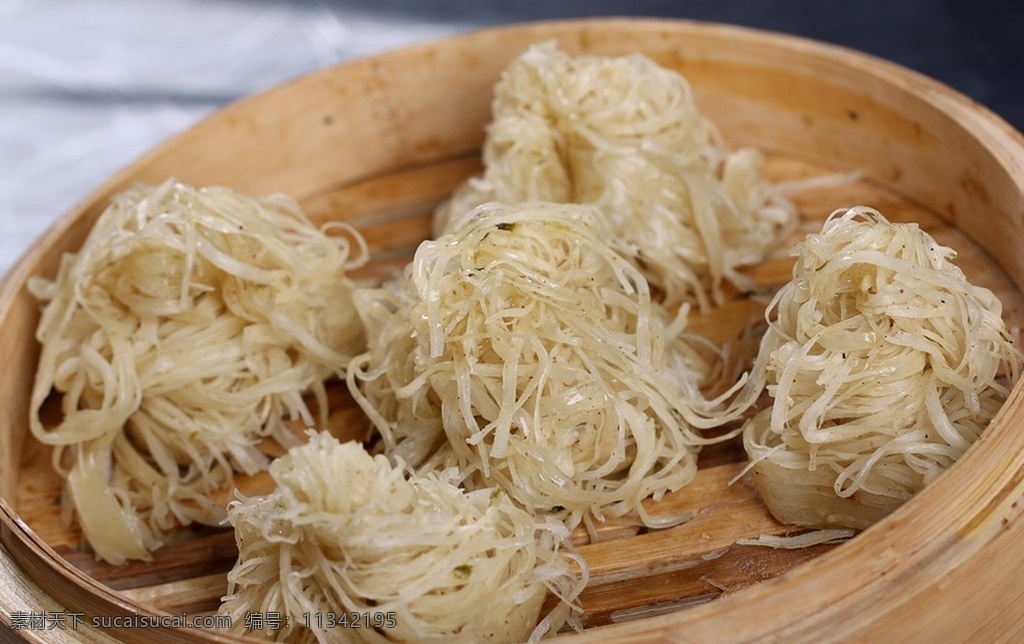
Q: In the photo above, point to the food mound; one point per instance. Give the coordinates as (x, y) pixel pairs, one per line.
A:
(187, 327)
(350, 536)
(524, 351)
(884, 365)
(623, 134)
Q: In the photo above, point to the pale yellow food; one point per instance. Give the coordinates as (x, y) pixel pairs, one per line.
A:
(187, 327)
(624, 134)
(349, 536)
(884, 365)
(525, 352)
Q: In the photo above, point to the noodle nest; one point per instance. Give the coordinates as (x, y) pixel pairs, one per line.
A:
(884, 365)
(524, 351)
(623, 134)
(186, 328)
(347, 533)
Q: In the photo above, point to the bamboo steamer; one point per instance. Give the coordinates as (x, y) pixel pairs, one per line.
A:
(379, 141)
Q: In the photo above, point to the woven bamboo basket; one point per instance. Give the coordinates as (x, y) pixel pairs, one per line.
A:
(379, 141)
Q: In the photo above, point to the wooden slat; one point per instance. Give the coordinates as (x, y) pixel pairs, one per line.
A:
(380, 143)
(634, 572)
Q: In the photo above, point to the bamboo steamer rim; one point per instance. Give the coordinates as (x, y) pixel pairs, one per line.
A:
(943, 564)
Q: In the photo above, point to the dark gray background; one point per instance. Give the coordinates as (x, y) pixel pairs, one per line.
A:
(975, 46)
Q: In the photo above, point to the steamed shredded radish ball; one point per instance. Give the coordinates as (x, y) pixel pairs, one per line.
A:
(525, 352)
(347, 535)
(884, 365)
(623, 134)
(187, 328)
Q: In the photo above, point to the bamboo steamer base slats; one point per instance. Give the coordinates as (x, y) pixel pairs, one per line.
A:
(634, 572)
(378, 143)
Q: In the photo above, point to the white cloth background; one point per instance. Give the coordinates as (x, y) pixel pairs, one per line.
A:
(86, 86)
